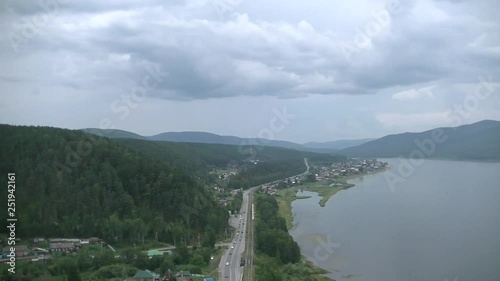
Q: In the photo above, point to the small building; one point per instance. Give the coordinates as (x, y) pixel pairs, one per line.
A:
(62, 247)
(5, 252)
(183, 276)
(155, 253)
(84, 242)
(94, 240)
(146, 275)
(21, 251)
(37, 252)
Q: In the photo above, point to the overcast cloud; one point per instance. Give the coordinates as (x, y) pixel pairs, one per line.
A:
(344, 69)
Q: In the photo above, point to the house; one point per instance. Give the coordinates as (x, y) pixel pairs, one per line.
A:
(37, 252)
(84, 242)
(62, 247)
(146, 275)
(39, 240)
(94, 240)
(155, 253)
(64, 240)
(183, 276)
(21, 251)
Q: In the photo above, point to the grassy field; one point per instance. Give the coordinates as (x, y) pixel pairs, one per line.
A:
(285, 198)
(326, 189)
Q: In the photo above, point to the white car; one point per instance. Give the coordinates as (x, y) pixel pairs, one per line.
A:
(232, 247)
(227, 263)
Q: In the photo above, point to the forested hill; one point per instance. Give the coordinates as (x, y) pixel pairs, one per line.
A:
(199, 158)
(256, 164)
(74, 184)
(477, 141)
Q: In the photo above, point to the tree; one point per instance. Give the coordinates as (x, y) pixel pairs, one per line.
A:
(72, 272)
(311, 177)
(182, 255)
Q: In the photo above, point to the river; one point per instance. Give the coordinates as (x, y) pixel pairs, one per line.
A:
(440, 223)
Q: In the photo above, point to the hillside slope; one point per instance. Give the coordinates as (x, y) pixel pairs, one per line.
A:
(73, 184)
(114, 133)
(478, 141)
(199, 158)
(336, 145)
(207, 138)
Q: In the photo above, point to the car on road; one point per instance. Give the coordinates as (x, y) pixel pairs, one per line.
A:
(234, 242)
(227, 263)
(232, 247)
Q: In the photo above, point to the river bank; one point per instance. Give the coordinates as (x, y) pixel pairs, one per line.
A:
(427, 222)
(325, 189)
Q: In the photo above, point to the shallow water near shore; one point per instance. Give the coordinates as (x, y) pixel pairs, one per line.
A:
(440, 223)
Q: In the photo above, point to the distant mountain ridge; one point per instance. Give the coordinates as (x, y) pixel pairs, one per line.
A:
(204, 137)
(338, 144)
(210, 138)
(478, 141)
(114, 133)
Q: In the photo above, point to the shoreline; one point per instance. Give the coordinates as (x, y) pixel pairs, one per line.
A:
(325, 190)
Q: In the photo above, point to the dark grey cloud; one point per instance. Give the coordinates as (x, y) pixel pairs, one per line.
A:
(80, 46)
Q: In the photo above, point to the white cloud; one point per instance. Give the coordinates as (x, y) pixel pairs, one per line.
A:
(415, 94)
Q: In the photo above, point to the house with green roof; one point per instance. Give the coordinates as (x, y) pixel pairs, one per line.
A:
(155, 253)
(146, 275)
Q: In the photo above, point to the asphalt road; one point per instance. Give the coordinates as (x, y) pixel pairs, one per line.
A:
(229, 267)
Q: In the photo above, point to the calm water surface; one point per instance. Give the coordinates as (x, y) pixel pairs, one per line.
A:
(441, 223)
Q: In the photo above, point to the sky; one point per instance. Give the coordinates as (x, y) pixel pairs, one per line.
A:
(316, 70)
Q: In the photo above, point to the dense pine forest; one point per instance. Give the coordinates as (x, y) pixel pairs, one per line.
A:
(74, 184)
(199, 158)
(271, 232)
(278, 255)
(267, 171)
(204, 157)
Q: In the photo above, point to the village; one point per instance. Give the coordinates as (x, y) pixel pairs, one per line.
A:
(43, 250)
(352, 167)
